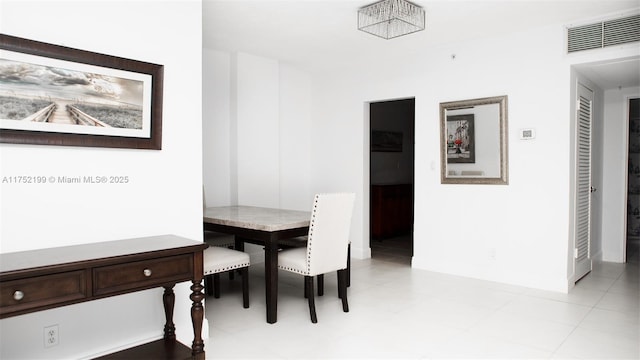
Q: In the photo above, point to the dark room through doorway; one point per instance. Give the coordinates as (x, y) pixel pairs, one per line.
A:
(392, 125)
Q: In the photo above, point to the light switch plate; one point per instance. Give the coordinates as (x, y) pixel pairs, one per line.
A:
(527, 134)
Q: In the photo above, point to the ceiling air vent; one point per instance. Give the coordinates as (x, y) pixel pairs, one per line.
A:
(603, 34)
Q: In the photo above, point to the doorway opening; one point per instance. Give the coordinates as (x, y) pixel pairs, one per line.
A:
(614, 81)
(391, 179)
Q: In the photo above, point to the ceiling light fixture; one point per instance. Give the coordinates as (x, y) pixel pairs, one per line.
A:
(391, 18)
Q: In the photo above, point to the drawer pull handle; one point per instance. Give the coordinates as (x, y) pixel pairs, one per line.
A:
(147, 272)
(18, 295)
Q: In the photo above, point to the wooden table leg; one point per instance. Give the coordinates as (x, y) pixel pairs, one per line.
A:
(169, 300)
(197, 316)
(239, 243)
(271, 280)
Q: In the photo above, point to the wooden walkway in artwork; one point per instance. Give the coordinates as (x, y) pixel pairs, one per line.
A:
(61, 115)
(64, 112)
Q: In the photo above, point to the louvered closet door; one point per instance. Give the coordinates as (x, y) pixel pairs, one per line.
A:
(582, 252)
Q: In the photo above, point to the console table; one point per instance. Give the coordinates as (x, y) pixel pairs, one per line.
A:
(43, 279)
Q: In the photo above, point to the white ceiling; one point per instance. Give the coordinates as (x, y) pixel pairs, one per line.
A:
(321, 35)
(610, 75)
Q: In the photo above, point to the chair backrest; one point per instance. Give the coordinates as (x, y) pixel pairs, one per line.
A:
(329, 232)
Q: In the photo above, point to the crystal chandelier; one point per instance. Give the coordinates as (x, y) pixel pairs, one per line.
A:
(391, 18)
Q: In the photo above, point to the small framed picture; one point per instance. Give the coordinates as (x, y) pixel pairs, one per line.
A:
(460, 139)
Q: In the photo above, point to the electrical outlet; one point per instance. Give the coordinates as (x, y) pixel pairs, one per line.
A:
(51, 336)
(492, 253)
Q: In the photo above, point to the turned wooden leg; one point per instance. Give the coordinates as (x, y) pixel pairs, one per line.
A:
(197, 316)
(168, 300)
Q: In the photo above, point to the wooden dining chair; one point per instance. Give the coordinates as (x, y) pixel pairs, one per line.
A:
(326, 247)
(221, 259)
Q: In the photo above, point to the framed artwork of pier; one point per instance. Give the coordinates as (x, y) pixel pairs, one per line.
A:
(56, 95)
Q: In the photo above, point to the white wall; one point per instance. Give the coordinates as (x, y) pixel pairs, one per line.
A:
(256, 132)
(295, 133)
(257, 138)
(216, 128)
(164, 192)
(614, 188)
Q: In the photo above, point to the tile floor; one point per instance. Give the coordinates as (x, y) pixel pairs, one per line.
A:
(403, 313)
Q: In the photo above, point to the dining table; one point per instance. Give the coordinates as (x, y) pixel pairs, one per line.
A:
(262, 226)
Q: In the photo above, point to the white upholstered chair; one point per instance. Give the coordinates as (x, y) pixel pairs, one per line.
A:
(327, 246)
(301, 241)
(214, 238)
(221, 259)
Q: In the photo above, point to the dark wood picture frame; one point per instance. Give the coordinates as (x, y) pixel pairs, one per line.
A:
(386, 141)
(461, 128)
(41, 49)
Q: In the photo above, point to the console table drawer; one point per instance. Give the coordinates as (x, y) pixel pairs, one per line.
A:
(42, 291)
(142, 274)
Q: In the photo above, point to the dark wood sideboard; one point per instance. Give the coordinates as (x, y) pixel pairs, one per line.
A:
(391, 210)
(43, 279)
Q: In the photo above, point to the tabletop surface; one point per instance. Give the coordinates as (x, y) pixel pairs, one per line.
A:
(257, 218)
(75, 253)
